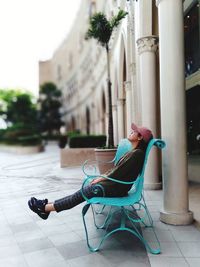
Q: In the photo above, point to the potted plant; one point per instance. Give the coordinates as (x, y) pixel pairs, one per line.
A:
(100, 28)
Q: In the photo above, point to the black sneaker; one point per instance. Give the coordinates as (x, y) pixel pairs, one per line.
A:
(38, 206)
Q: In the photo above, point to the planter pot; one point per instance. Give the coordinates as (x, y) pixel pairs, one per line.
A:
(70, 157)
(21, 150)
(104, 155)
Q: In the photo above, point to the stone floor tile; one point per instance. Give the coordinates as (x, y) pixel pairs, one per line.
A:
(29, 235)
(167, 262)
(73, 250)
(23, 227)
(98, 260)
(180, 227)
(163, 235)
(5, 230)
(92, 233)
(160, 225)
(9, 251)
(138, 262)
(168, 249)
(50, 222)
(123, 247)
(186, 235)
(64, 238)
(7, 240)
(45, 258)
(76, 225)
(13, 262)
(35, 244)
(193, 262)
(155, 216)
(56, 229)
(190, 249)
(93, 259)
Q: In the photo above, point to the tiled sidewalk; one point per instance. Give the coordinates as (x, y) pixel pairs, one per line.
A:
(27, 241)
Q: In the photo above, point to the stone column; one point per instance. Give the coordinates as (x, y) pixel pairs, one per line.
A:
(120, 116)
(115, 124)
(147, 48)
(173, 120)
(128, 106)
(134, 94)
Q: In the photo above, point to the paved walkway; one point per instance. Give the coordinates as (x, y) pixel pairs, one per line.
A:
(27, 241)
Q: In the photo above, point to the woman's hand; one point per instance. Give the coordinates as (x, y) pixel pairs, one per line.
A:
(97, 180)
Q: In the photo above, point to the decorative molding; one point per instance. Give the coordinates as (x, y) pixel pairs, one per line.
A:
(127, 85)
(158, 2)
(147, 44)
(133, 67)
(131, 22)
(120, 101)
(114, 107)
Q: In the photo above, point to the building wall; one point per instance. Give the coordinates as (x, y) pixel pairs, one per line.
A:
(78, 67)
(45, 72)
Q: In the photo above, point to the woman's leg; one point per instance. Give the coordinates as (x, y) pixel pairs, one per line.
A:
(75, 199)
(43, 208)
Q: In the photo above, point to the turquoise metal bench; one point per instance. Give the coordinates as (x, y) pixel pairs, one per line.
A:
(131, 208)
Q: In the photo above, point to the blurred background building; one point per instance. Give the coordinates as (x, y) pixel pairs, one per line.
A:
(150, 50)
(78, 68)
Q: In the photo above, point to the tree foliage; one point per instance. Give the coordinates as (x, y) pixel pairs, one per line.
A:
(17, 106)
(100, 28)
(49, 108)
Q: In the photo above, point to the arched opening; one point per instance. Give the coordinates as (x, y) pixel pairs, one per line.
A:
(103, 113)
(193, 121)
(124, 78)
(73, 124)
(87, 120)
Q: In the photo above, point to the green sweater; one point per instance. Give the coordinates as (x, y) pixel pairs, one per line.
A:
(127, 169)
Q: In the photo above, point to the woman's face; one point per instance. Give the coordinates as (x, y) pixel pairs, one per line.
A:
(134, 136)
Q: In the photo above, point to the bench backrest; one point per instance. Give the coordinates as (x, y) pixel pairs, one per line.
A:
(154, 142)
(138, 185)
(124, 146)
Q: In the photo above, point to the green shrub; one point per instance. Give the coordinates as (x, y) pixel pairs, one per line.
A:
(74, 133)
(2, 133)
(20, 134)
(79, 141)
(62, 141)
(51, 137)
(30, 140)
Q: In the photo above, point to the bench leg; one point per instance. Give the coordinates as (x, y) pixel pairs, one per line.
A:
(124, 216)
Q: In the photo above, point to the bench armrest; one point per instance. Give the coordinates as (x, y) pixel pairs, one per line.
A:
(91, 164)
(91, 177)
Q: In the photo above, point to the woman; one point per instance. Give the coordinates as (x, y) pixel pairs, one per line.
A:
(126, 169)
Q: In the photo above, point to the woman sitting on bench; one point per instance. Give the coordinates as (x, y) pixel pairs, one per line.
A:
(127, 168)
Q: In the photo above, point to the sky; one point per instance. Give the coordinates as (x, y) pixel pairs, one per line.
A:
(31, 30)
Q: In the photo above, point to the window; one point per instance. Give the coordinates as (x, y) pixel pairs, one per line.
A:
(92, 8)
(192, 40)
(59, 73)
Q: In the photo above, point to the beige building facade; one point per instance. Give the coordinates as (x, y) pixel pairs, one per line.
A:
(148, 86)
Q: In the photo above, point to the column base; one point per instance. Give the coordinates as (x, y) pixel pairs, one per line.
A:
(152, 186)
(176, 218)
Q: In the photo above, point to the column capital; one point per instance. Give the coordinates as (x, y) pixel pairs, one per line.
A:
(120, 101)
(147, 44)
(114, 107)
(133, 67)
(158, 2)
(127, 85)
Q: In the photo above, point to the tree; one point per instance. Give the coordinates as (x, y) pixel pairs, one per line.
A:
(49, 108)
(17, 107)
(100, 28)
